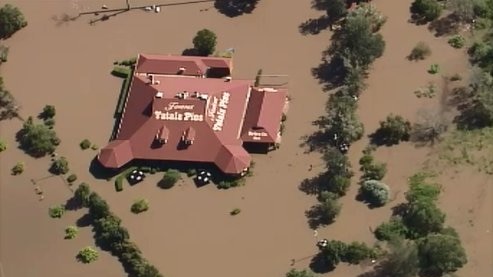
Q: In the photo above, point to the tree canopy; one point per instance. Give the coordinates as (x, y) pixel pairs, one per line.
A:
(300, 273)
(205, 42)
(37, 139)
(426, 10)
(440, 254)
(11, 20)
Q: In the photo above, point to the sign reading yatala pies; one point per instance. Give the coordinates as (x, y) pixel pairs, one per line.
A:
(217, 111)
(174, 112)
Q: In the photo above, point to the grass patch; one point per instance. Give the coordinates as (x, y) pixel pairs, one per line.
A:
(472, 147)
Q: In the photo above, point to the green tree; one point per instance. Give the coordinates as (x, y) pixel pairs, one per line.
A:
(376, 193)
(423, 218)
(88, 255)
(327, 210)
(109, 232)
(59, 166)
(401, 259)
(300, 273)
(98, 208)
(170, 178)
(205, 42)
(81, 194)
(463, 9)
(11, 20)
(56, 211)
(426, 10)
(71, 232)
(37, 139)
(48, 112)
(8, 106)
(335, 9)
(393, 229)
(356, 252)
(3, 146)
(358, 44)
(420, 190)
(440, 254)
(393, 130)
(334, 252)
(18, 168)
(337, 164)
(140, 206)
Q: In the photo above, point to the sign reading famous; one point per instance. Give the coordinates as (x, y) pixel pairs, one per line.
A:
(176, 111)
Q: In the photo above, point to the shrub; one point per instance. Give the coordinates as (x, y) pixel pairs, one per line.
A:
(457, 41)
(49, 111)
(420, 52)
(139, 206)
(59, 166)
(37, 140)
(170, 178)
(235, 211)
(426, 10)
(120, 71)
(329, 207)
(3, 146)
(420, 191)
(4, 53)
(191, 172)
(205, 42)
(81, 194)
(56, 211)
(119, 183)
(85, 144)
(94, 147)
(387, 231)
(50, 122)
(393, 130)
(18, 168)
(376, 193)
(88, 255)
(224, 185)
(455, 77)
(423, 218)
(11, 21)
(339, 184)
(129, 62)
(356, 252)
(371, 169)
(434, 69)
(71, 178)
(71, 232)
(300, 273)
(440, 254)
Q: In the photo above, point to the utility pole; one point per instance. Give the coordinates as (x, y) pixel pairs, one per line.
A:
(128, 5)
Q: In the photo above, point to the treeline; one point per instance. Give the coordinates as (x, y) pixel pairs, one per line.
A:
(111, 236)
(355, 46)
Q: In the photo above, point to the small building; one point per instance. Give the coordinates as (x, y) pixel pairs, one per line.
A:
(182, 108)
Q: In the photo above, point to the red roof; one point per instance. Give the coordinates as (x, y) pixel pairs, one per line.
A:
(170, 65)
(264, 114)
(202, 118)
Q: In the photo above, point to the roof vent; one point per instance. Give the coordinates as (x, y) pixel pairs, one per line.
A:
(159, 94)
(228, 79)
(202, 96)
(181, 70)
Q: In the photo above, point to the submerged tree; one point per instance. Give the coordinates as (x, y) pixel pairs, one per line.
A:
(440, 254)
(11, 20)
(8, 106)
(205, 42)
(37, 139)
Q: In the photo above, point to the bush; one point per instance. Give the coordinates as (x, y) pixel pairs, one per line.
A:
(4, 53)
(420, 52)
(329, 207)
(3, 146)
(71, 178)
(371, 169)
(85, 144)
(94, 147)
(11, 21)
(376, 193)
(426, 10)
(420, 190)
(440, 254)
(71, 232)
(387, 231)
(81, 194)
(139, 206)
(120, 71)
(170, 178)
(455, 77)
(299, 273)
(129, 62)
(457, 41)
(434, 69)
(356, 252)
(205, 42)
(191, 172)
(56, 211)
(37, 140)
(235, 211)
(393, 130)
(18, 168)
(49, 111)
(59, 166)
(423, 218)
(119, 183)
(50, 122)
(88, 255)
(339, 184)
